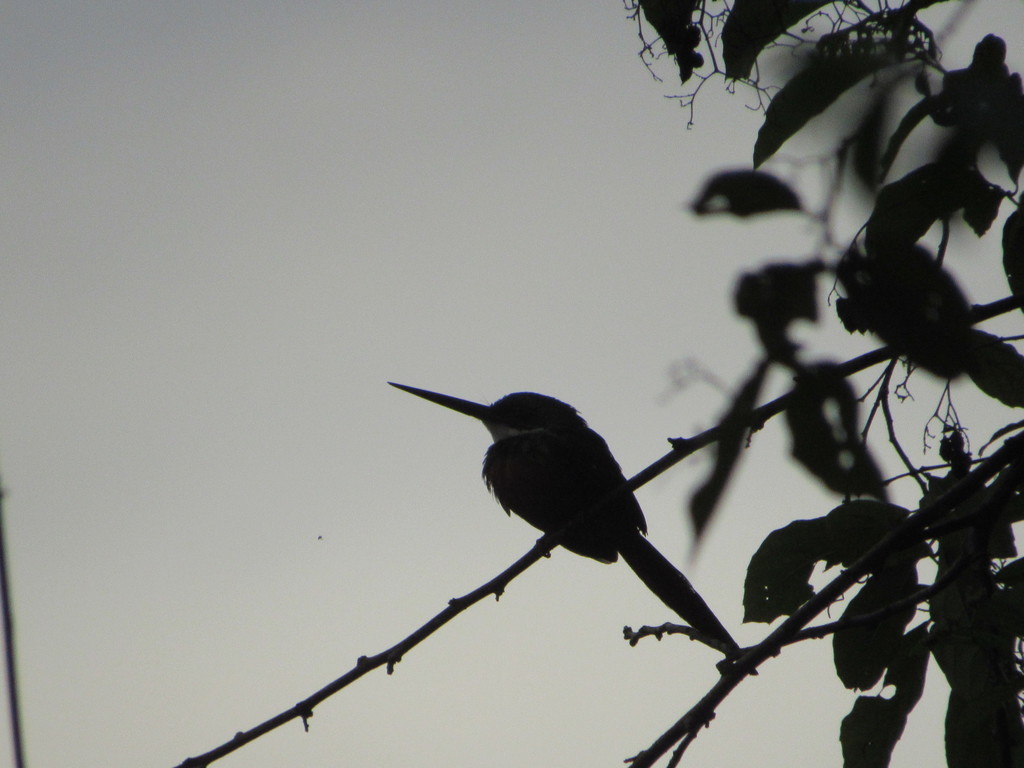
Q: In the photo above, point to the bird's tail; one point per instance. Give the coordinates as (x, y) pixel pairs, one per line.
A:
(673, 588)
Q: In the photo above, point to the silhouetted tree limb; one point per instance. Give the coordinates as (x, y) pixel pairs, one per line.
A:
(1009, 457)
(681, 448)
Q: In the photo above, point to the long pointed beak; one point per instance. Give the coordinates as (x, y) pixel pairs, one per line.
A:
(476, 410)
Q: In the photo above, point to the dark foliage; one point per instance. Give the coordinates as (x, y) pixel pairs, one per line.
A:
(893, 285)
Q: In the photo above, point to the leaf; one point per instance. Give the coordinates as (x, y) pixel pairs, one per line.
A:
(908, 207)
(983, 731)
(998, 528)
(974, 633)
(870, 732)
(777, 581)
(867, 140)
(810, 92)
(744, 193)
(1006, 429)
(986, 101)
(753, 24)
(1006, 610)
(910, 120)
(965, 663)
(861, 654)
(908, 300)
(776, 296)
(672, 20)
(856, 526)
(1013, 253)
(1002, 543)
(981, 206)
(997, 368)
(777, 577)
(735, 426)
(974, 636)
(1012, 573)
(822, 419)
(669, 18)
(784, 291)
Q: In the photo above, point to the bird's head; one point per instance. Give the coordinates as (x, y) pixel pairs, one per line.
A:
(511, 415)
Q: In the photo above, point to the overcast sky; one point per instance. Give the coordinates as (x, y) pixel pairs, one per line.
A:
(225, 226)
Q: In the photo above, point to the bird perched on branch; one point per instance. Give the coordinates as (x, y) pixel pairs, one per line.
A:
(547, 466)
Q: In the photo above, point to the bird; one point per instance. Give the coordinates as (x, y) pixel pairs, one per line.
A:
(547, 466)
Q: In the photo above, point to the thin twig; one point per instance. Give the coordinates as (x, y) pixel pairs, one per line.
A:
(868, 619)
(9, 659)
(677, 756)
(890, 426)
(668, 628)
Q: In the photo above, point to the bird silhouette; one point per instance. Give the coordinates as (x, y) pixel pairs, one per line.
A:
(548, 467)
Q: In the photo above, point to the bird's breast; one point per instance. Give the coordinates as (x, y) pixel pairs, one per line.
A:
(548, 482)
(526, 478)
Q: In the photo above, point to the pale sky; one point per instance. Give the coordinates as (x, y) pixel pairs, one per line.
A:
(225, 227)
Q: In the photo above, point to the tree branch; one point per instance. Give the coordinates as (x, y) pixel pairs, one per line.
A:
(388, 658)
(681, 448)
(1011, 452)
